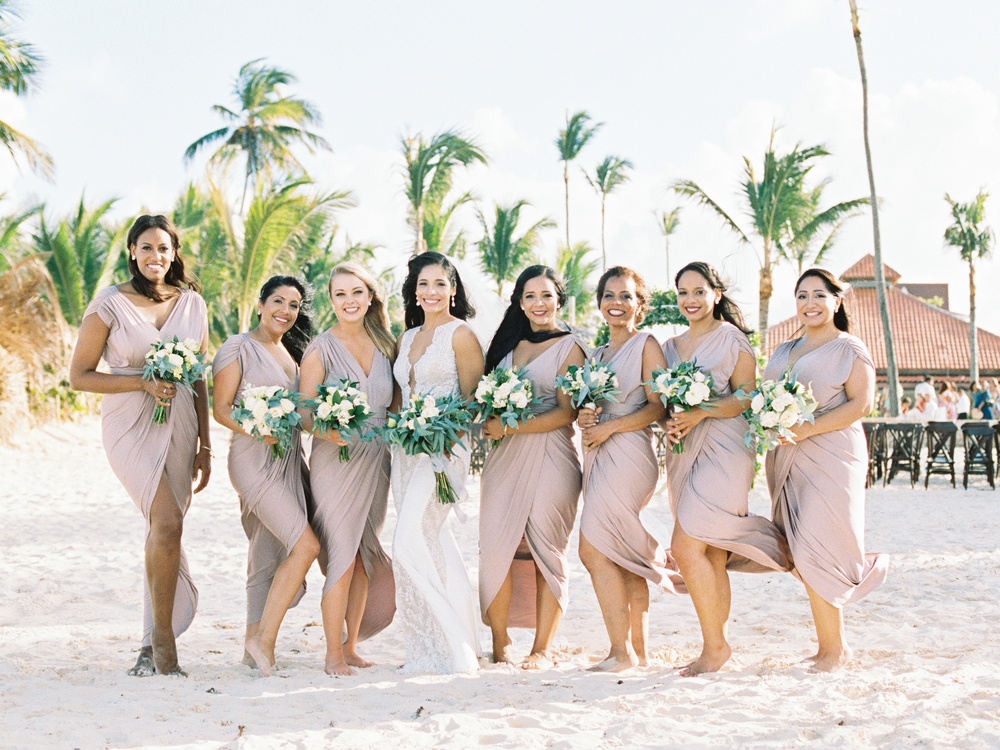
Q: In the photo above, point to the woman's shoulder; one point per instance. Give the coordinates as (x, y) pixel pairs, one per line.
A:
(735, 337)
(230, 349)
(851, 343)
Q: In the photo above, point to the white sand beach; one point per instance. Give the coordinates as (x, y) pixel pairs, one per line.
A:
(926, 671)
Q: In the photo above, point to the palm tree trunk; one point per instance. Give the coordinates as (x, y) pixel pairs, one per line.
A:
(764, 302)
(604, 254)
(566, 184)
(892, 372)
(973, 354)
(420, 244)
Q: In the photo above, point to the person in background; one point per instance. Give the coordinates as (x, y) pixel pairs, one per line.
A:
(947, 403)
(983, 401)
(906, 410)
(926, 388)
(963, 404)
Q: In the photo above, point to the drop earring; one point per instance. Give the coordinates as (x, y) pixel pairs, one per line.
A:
(453, 301)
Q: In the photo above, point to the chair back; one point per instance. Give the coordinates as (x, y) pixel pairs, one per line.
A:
(978, 440)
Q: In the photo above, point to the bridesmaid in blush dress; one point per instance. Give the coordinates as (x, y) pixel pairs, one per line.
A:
(709, 482)
(531, 481)
(817, 480)
(282, 546)
(156, 463)
(620, 474)
(349, 498)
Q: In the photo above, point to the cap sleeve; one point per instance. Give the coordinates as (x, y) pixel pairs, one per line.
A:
(739, 341)
(101, 305)
(857, 347)
(229, 352)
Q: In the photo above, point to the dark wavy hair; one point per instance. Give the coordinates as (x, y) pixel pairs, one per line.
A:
(300, 334)
(515, 325)
(641, 290)
(414, 315)
(176, 275)
(840, 318)
(725, 309)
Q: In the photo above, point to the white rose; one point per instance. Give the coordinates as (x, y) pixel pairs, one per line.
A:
(429, 412)
(769, 419)
(601, 377)
(287, 406)
(757, 403)
(788, 418)
(699, 377)
(258, 408)
(482, 389)
(191, 344)
(519, 399)
(176, 360)
(323, 410)
(276, 411)
(264, 430)
(783, 401)
(697, 393)
(247, 425)
(272, 390)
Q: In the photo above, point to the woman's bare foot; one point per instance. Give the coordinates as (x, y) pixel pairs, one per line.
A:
(539, 660)
(164, 653)
(144, 666)
(616, 663)
(710, 660)
(831, 661)
(501, 652)
(355, 660)
(248, 660)
(263, 660)
(338, 668)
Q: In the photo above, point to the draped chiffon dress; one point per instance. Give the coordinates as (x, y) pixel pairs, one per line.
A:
(709, 483)
(435, 603)
(272, 491)
(348, 500)
(140, 452)
(818, 484)
(619, 478)
(530, 488)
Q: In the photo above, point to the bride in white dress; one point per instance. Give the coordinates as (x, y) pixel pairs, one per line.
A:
(437, 355)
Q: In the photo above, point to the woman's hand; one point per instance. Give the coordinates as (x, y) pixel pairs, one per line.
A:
(333, 436)
(596, 434)
(588, 417)
(161, 390)
(682, 422)
(493, 428)
(202, 469)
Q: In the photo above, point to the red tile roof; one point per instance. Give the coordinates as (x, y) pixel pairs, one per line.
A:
(927, 339)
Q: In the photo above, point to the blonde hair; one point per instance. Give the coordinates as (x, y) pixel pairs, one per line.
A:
(376, 319)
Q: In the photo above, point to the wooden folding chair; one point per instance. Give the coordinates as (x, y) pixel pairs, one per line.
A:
(978, 442)
(940, 450)
(904, 440)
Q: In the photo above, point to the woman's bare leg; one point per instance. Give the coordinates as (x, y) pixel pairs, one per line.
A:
(833, 652)
(704, 571)
(612, 594)
(499, 614)
(334, 608)
(638, 607)
(357, 600)
(287, 580)
(548, 615)
(163, 560)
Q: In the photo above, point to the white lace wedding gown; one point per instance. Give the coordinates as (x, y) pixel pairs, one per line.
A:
(435, 603)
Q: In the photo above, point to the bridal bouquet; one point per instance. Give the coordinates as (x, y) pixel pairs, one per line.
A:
(588, 384)
(174, 361)
(430, 426)
(340, 405)
(505, 394)
(684, 386)
(269, 410)
(776, 406)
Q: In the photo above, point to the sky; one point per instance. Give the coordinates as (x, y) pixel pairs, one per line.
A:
(685, 91)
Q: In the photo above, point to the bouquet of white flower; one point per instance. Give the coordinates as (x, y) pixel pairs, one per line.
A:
(269, 410)
(174, 361)
(586, 385)
(684, 386)
(776, 406)
(430, 426)
(340, 405)
(505, 394)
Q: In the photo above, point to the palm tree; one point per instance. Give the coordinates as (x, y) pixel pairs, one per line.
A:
(892, 371)
(278, 221)
(439, 233)
(80, 253)
(801, 246)
(501, 254)
(570, 142)
(11, 235)
(667, 222)
(263, 127)
(429, 168)
(974, 242)
(575, 269)
(610, 173)
(19, 65)
(780, 208)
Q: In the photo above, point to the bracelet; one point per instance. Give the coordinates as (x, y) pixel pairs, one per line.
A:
(207, 448)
